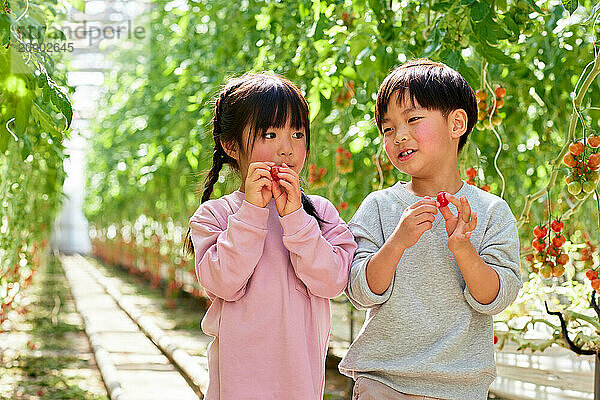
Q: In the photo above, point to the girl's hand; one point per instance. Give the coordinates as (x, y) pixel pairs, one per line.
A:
(258, 183)
(286, 192)
(458, 227)
(415, 220)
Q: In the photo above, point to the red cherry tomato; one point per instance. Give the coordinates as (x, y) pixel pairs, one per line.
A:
(441, 198)
(274, 172)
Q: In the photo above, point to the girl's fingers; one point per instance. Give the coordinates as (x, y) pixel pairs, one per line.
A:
(258, 170)
(276, 189)
(287, 169)
(286, 177)
(290, 188)
(260, 183)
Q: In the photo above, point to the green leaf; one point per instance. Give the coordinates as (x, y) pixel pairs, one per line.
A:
(485, 32)
(466, 2)
(493, 55)
(593, 13)
(470, 75)
(17, 63)
(61, 101)
(4, 29)
(512, 25)
(451, 58)
(442, 6)
(314, 99)
(26, 150)
(479, 11)
(570, 5)
(434, 42)
(499, 29)
(78, 4)
(349, 73)
(4, 137)
(535, 6)
(45, 121)
(22, 114)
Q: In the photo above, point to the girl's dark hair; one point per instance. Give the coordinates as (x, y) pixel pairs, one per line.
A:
(434, 85)
(258, 101)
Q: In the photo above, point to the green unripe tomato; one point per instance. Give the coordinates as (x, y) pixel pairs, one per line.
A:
(588, 186)
(574, 188)
(582, 195)
(570, 178)
(593, 176)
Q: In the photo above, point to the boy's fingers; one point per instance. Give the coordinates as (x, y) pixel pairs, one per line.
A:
(473, 223)
(422, 203)
(462, 205)
(466, 213)
(426, 208)
(446, 213)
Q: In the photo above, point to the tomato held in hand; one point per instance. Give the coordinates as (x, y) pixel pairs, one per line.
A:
(274, 172)
(441, 198)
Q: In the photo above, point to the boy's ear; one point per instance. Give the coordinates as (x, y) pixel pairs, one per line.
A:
(231, 149)
(457, 122)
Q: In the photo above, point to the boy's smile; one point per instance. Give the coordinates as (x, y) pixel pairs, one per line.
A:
(423, 144)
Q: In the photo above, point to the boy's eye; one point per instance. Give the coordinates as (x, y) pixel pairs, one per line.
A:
(299, 135)
(387, 130)
(413, 119)
(269, 135)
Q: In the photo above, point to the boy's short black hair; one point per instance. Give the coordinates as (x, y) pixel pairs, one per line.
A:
(434, 86)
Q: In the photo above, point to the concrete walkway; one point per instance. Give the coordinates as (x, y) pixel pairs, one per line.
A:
(132, 366)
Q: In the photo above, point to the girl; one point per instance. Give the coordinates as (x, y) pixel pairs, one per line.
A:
(269, 256)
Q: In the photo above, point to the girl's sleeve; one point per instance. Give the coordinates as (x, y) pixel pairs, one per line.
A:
(320, 257)
(226, 256)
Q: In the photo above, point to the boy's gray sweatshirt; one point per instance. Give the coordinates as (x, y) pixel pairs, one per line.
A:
(426, 334)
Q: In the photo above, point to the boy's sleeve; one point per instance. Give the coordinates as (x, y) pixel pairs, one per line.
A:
(226, 257)
(500, 250)
(368, 234)
(320, 256)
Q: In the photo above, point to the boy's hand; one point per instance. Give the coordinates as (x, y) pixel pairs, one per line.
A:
(415, 220)
(286, 191)
(258, 183)
(458, 227)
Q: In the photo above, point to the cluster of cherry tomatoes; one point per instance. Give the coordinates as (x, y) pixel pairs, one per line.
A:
(315, 176)
(549, 259)
(484, 111)
(584, 160)
(343, 161)
(592, 275)
(471, 175)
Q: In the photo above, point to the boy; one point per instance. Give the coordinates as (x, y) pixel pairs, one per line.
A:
(430, 283)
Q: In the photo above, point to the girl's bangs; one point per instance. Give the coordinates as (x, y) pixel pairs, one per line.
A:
(273, 108)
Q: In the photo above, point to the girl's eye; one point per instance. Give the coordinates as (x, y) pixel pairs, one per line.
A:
(413, 119)
(387, 130)
(300, 135)
(269, 135)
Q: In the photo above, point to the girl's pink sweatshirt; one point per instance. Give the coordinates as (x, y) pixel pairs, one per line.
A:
(270, 279)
